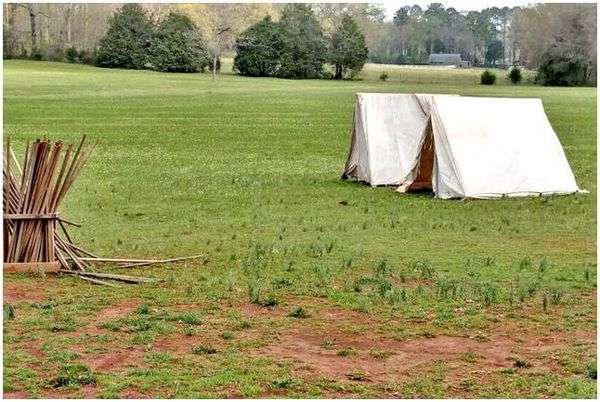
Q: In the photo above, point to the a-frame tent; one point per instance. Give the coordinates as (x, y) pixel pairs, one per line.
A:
(457, 146)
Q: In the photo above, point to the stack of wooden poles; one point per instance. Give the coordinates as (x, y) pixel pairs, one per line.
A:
(32, 195)
(34, 232)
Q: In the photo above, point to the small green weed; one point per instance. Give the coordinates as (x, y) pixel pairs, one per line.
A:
(299, 312)
(203, 350)
(73, 375)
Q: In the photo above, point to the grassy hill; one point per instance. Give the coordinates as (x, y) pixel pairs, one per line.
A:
(300, 294)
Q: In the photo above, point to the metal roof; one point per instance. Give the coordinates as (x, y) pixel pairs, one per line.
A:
(445, 58)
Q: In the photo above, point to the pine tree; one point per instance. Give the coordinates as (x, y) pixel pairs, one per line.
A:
(127, 40)
(177, 46)
(348, 50)
(304, 47)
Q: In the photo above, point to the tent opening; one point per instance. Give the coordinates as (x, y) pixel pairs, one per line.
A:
(424, 172)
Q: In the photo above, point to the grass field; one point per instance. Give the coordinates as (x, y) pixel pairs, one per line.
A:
(299, 295)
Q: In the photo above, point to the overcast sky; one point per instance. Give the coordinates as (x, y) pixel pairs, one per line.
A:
(461, 5)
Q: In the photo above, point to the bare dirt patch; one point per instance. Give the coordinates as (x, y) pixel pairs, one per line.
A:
(115, 360)
(34, 349)
(132, 394)
(326, 351)
(118, 310)
(19, 292)
(15, 395)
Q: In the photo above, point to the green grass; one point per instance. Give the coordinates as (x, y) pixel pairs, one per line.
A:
(246, 170)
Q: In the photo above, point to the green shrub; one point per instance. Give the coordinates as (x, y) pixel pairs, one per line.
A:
(177, 46)
(72, 55)
(488, 78)
(127, 39)
(87, 57)
(514, 75)
(36, 55)
(564, 71)
(384, 76)
(258, 49)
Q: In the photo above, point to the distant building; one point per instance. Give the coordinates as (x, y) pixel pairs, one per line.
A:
(448, 59)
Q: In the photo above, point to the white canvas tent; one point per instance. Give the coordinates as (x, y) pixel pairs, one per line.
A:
(457, 146)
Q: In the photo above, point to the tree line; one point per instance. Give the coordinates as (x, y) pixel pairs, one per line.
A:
(556, 39)
(295, 47)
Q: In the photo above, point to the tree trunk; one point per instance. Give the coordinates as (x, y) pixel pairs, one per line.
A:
(214, 66)
(33, 25)
(10, 12)
(68, 18)
(338, 72)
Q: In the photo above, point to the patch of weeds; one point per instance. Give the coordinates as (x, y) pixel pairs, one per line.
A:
(525, 263)
(380, 354)
(241, 324)
(592, 370)
(481, 337)
(63, 324)
(328, 344)
(357, 375)
(9, 312)
(143, 338)
(268, 301)
(382, 269)
(578, 388)
(489, 293)
(427, 334)
(46, 306)
(189, 330)
(556, 295)
(520, 363)
(316, 250)
(282, 283)
(362, 305)
(73, 375)
(544, 265)
(323, 275)
(283, 383)
(189, 318)
(256, 297)
(445, 288)
(329, 247)
(60, 356)
(143, 309)
(507, 370)
(469, 357)
(299, 312)
(158, 357)
(227, 335)
(384, 287)
(424, 268)
(203, 350)
(253, 291)
(347, 352)
(135, 323)
(467, 384)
